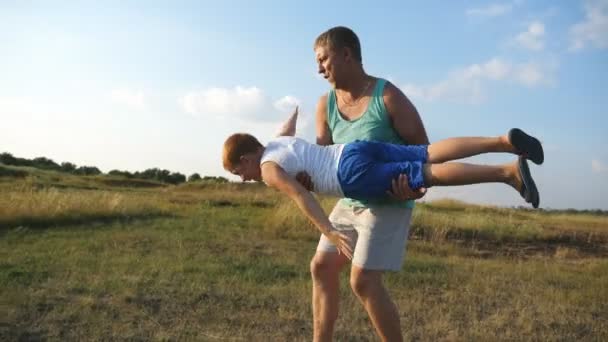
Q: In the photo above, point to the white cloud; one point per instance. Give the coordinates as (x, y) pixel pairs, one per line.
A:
(132, 98)
(530, 74)
(286, 104)
(247, 103)
(492, 10)
(594, 29)
(533, 38)
(467, 84)
(223, 101)
(598, 167)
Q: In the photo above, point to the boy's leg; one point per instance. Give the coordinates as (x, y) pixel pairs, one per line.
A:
(515, 141)
(464, 174)
(457, 148)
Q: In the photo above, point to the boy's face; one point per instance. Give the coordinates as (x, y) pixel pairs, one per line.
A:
(248, 169)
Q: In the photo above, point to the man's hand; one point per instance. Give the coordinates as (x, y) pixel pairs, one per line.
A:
(342, 242)
(304, 179)
(401, 190)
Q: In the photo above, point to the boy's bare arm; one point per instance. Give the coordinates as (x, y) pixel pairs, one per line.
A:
(289, 126)
(274, 176)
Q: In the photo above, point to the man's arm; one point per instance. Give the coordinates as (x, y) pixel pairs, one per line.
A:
(323, 132)
(408, 124)
(289, 127)
(404, 116)
(274, 176)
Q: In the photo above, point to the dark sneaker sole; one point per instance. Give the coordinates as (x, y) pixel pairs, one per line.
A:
(529, 191)
(527, 145)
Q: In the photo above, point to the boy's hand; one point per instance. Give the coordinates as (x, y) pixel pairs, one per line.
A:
(304, 179)
(342, 242)
(401, 190)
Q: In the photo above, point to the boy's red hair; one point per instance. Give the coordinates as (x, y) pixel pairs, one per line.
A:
(236, 146)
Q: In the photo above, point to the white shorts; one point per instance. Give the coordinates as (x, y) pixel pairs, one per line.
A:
(378, 232)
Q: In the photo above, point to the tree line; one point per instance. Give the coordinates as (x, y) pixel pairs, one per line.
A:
(156, 174)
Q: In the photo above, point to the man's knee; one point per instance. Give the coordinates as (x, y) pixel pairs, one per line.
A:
(365, 282)
(323, 265)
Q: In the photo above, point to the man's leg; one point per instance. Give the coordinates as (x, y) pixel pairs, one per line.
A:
(381, 245)
(325, 269)
(368, 286)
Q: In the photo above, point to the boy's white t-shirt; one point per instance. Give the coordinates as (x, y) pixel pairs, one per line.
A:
(294, 155)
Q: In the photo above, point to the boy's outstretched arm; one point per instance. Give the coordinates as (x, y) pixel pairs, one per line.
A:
(274, 176)
(289, 126)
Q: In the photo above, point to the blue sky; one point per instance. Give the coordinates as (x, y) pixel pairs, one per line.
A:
(133, 85)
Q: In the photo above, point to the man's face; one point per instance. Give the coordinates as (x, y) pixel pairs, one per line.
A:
(329, 63)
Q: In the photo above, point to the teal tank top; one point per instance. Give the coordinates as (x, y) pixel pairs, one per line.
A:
(373, 125)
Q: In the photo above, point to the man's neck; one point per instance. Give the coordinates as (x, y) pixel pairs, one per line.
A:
(354, 83)
(354, 88)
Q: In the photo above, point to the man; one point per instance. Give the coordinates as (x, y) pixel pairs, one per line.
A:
(362, 107)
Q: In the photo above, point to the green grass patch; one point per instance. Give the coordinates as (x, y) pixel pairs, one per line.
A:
(231, 262)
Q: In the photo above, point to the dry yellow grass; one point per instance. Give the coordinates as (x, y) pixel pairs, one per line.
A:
(47, 206)
(230, 262)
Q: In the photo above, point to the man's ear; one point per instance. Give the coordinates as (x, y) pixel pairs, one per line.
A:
(347, 54)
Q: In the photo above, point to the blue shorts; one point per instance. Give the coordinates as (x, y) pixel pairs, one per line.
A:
(366, 168)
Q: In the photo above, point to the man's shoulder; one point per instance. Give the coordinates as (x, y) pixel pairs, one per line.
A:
(322, 103)
(390, 89)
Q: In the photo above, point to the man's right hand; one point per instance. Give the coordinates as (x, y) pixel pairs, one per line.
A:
(304, 179)
(401, 190)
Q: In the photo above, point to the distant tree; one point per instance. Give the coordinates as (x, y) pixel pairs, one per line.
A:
(7, 159)
(213, 179)
(87, 171)
(154, 173)
(175, 178)
(68, 167)
(195, 177)
(45, 164)
(126, 174)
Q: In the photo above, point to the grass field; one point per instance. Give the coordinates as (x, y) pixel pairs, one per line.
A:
(99, 258)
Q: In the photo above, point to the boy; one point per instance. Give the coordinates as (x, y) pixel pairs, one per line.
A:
(365, 169)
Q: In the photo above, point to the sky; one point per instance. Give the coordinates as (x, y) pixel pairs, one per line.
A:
(132, 85)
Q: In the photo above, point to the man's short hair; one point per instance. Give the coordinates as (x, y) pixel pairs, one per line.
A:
(340, 37)
(236, 146)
